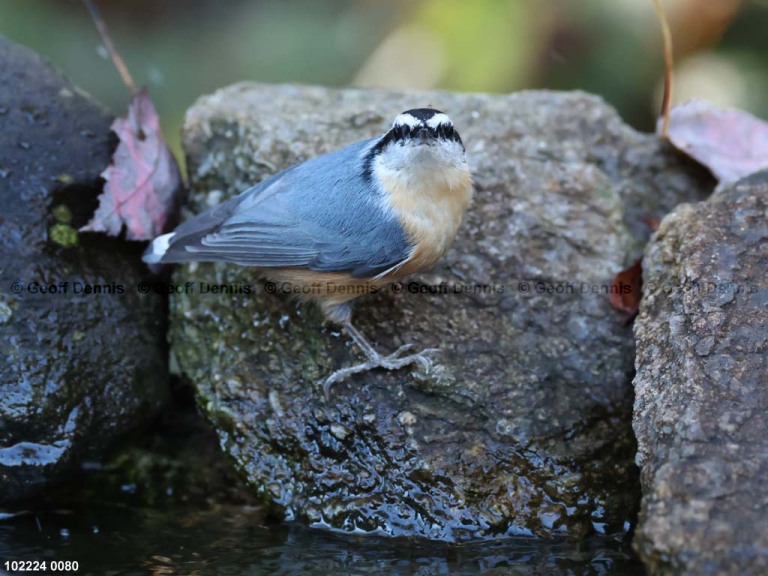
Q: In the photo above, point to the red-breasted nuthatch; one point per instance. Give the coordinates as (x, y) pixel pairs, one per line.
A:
(361, 217)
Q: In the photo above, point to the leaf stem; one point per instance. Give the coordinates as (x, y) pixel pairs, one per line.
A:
(113, 54)
(668, 67)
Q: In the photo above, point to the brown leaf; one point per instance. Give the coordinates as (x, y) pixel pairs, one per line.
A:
(626, 289)
(143, 179)
(730, 142)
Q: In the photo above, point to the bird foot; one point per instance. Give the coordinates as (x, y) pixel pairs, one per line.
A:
(393, 361)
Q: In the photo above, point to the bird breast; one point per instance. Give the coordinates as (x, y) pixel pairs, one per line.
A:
(430, 204)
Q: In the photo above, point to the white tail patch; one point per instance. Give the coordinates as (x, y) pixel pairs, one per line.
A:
(158, 248)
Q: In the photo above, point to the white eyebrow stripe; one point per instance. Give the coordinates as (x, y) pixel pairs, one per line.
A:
(437, 120)
(406, 120)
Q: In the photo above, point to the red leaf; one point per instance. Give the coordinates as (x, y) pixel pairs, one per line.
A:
(626, 289)
(730, 142)
(143, 179)
(653, 224)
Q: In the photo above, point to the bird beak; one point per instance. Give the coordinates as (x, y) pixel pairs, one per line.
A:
(423, 137)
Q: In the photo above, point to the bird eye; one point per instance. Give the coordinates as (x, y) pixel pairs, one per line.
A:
(402, 132)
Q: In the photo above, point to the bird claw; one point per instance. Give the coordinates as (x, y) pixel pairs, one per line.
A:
(390, 362)
(402, 349)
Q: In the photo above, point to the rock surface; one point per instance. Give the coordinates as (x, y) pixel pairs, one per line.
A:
(76, 369)
(524, 427)
(702, 387)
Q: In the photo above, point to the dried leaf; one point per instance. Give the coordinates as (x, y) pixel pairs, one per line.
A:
(730, 142)
(142, 180)
(626, 289)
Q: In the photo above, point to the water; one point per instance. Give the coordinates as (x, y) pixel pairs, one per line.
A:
(169, 504)
(238, 540)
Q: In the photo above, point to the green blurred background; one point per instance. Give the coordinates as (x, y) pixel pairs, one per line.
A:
(182, 49)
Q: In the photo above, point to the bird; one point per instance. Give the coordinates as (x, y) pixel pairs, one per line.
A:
(360, 218)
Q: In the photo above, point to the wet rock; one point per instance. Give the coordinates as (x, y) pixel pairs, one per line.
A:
(525, 426)
(702, 387)
(77, 369)
(175, 463)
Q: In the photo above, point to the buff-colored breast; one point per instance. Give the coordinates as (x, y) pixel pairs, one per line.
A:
(430, 208)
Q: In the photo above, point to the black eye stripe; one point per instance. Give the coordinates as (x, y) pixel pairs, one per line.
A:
(399, 134)
(404, 131)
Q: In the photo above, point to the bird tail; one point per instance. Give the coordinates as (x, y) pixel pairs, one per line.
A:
(171, 248)
(157, 249)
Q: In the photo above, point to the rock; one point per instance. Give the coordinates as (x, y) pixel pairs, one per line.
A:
(525, 426)
(702, 387)
(176, 465)
(76, 369)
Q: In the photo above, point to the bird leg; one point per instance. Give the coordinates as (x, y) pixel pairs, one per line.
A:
(375, 360)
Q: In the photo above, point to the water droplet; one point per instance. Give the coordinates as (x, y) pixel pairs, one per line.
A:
(155, 76)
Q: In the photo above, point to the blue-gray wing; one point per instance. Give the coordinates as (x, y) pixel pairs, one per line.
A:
(322, 215)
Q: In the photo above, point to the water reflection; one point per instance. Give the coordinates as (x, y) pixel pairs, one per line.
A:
(118, 540)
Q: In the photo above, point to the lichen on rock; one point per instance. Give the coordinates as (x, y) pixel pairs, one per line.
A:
(701, 387)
